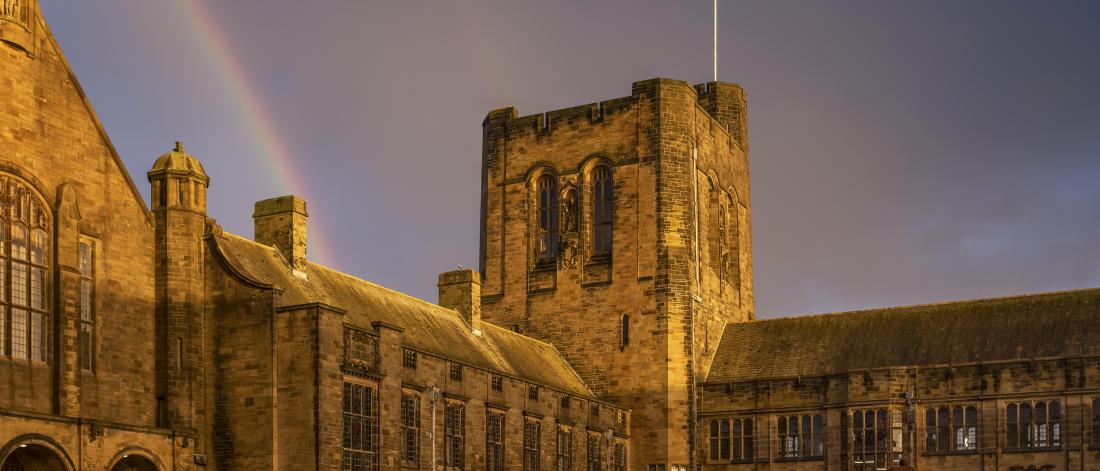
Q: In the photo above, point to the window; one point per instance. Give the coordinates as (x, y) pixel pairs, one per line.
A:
(870, 439)
(603, 199)
(456, 372)
(619, 461)
(360, 428)
(533, 393)
(24, 265)
(454, 433)
(1033, 425)
(565, 402)
(731, 440)
(494, 442)
(593, 455)
(87, 307)
(801, 436)
(498, 383)
(410, 428)
(531, 446)
(1096, 423)
(565, 449)
(624, 335)
(408, 359)
(948, 429)
(548, 217)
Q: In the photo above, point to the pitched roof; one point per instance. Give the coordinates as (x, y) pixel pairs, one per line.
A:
(1060, 324)
(427, 327)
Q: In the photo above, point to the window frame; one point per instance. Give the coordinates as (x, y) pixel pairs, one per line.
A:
(737, 443)
(962, 421)
(410, 427)
(603, 210)
(546, 218)
(863, 440)
(1041, 429)
(593, 461)
(532, 434)
(454, 435)
(22, 208)
(495, 424)
(801, 437)
(563, 456)
(360, 427)
(86, 319)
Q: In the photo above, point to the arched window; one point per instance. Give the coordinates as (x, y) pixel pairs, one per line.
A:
(603, 199)
(869, 448)
(548, 217)
(1037, 425)
(24, 251)
(87, 306)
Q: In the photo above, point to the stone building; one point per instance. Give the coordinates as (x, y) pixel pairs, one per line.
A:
(611, 326)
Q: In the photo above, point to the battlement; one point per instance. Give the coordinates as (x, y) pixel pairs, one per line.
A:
(723, 101)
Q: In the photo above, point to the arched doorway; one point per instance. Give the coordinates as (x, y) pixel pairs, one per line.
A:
(133, 463)
(31, 457)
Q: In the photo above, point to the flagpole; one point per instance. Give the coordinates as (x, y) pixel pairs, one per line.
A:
(715, 40)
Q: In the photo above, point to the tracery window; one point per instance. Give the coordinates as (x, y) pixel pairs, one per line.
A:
(603, 203)
(24, 251)
(87, 306)
(565, 449)
(731, 439)
(494, 442)
(360, 428)
(801, 436)
(454, 436)
(548, 217)
(1033, 424)
(531, 446)
(870, 440)
(410, 428)
(948, 429)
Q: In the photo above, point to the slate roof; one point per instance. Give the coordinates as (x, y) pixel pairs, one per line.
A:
(427, 327)
(1048, 325)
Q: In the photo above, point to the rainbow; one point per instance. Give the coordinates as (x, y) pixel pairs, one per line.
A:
(261, 126)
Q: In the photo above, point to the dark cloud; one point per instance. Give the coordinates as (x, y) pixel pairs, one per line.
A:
(901, 152)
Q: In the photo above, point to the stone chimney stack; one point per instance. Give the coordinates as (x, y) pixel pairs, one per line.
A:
(281, 223)
(461, 290)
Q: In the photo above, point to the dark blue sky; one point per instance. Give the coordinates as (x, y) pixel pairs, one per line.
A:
(901, 152)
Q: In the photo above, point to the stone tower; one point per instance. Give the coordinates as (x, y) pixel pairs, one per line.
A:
(619, 231)
(179, 210)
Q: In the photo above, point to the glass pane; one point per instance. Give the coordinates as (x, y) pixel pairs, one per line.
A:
(38, 291)
(38, 346)
(19, 284)
(19, 242)
(19, 333)
(38, 247)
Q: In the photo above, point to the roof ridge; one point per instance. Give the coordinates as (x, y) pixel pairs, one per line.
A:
(927, 305)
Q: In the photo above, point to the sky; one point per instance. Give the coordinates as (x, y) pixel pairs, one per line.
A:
(902, 152)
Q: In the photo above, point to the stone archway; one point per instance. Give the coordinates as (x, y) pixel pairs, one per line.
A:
(134, 463)
(33, 457)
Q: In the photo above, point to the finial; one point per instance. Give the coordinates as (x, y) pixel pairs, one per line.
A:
(179, 147)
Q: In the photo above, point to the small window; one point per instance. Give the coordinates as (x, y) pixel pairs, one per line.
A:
(533, 393)
(594, 410)
(408, 359)
(498, 383)
(624, 332)
(456, 372)
(565, 402)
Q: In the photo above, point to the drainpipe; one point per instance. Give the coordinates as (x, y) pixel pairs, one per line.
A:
(433, 396)
(692, 429)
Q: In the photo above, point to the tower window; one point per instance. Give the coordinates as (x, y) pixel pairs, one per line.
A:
(24, 266)
(603, 198)
(548, 217)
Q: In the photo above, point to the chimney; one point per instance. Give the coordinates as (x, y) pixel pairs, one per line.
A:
(461, 290)
(281, 223)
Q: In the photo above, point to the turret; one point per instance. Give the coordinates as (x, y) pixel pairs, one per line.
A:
(179, 208)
